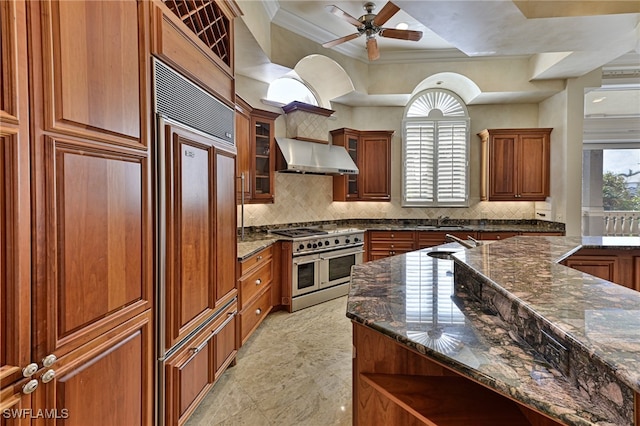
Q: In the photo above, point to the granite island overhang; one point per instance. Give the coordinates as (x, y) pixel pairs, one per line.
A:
(556, 340)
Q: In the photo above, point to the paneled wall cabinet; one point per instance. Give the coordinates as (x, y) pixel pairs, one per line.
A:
(371, 151)
(77, 213)
(255, 139)
(618, 266)
(515, 164)
(254, 285)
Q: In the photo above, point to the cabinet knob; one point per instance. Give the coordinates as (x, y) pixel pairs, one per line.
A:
(30, 370)
(393, 235)
(30, 386)
(258, 311)
(258, 281)
(48, 376)
(49, 360)
(259, 257)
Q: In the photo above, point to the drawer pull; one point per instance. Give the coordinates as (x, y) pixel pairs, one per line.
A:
(258, 311)
(258, 281)
(199, 347)
(259, 258)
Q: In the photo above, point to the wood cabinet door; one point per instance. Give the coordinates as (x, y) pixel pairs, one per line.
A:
(605, 267)
(263, 159)
(225, 228)
(95, 86)
(96, 243)
(109, 381)
(375, 167)
(243, 145)
(15, 223)
(189, 269)
(502, 167)
(532, 166)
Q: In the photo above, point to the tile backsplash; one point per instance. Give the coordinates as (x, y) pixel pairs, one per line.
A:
(309, 198)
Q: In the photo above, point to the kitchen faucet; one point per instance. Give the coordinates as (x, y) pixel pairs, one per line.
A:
(441, 219)
(462, 242)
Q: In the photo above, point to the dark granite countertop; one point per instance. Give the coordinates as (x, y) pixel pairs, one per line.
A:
(258, 238)
(413, 299)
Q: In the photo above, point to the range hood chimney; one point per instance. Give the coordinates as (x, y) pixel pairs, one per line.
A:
(306, 148)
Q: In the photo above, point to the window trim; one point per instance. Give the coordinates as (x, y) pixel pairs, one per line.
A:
(431, 118)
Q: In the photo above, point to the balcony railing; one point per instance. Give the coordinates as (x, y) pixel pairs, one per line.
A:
(622, 223)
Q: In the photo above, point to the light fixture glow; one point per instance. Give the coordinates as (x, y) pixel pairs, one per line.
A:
(402, 26)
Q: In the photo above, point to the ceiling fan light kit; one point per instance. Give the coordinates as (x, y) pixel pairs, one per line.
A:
(370, 24)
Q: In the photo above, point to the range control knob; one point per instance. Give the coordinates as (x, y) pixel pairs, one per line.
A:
(356, 239)
(337, 241)
(347, 241)
(301, 246)
(315, 245)
(326, 243)
(309, 245)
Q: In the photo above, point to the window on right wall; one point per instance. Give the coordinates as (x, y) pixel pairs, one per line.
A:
(435, 149)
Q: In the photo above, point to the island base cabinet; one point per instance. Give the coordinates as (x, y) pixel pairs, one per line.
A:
(393, 385)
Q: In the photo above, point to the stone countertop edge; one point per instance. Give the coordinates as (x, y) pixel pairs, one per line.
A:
(564, 247)
(256, 241)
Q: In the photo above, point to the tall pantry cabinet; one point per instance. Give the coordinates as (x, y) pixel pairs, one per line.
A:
(77, 295)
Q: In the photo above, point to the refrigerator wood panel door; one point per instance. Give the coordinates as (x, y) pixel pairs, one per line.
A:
(187, 229)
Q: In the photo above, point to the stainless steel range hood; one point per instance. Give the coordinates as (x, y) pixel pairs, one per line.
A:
(310, 157)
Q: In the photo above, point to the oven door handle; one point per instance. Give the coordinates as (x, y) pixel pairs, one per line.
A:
(341, 254)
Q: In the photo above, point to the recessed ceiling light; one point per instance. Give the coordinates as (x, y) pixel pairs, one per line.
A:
(598, 100)
(402, 26)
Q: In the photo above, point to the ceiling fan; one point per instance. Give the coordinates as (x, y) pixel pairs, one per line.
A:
(370, 24)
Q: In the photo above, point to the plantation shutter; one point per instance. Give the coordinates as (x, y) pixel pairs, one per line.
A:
(435, 171)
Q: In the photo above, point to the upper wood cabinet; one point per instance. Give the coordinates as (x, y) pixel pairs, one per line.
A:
(255, 130)
(371, 151)
(96, 74)
(196, 38)
(515, 164)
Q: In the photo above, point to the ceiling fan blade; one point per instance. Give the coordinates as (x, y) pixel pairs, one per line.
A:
(372, 49)
(385, 14)
(401, 34)
(341, 40)
(344, 15)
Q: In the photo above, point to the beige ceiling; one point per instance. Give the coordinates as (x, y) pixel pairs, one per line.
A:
(559, 39)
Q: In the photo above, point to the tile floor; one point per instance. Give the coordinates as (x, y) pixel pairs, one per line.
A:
(294, 370)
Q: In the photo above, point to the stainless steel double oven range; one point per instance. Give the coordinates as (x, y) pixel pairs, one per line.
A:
(321, 262)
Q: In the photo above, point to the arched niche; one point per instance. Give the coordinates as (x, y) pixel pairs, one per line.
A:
(459, 84)
(327, 78)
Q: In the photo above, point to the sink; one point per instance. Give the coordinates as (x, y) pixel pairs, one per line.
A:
(441, 228)
(441, 254)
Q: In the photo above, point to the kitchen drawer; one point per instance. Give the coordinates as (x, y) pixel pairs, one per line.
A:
(496, 235)
(252, 283)
(436, 238)
(392, 235)
(255, 260)
(192, 370)
(391, 245)
(252, 315)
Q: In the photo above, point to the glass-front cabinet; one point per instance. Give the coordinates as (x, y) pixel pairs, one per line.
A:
(263, 156)
(255, 165)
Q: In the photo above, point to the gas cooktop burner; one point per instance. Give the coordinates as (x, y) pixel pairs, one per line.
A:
(299, 232)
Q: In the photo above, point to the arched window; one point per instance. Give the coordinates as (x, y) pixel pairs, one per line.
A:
(435, 151)
(287, 89)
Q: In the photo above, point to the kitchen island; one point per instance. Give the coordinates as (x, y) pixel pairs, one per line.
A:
(501, 334)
